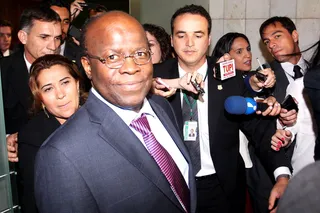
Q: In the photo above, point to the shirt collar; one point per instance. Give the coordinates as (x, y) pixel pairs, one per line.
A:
(202, 70)
(288, 67)
(127, 115)
(27, 62)
(6, 53)
(62, 48)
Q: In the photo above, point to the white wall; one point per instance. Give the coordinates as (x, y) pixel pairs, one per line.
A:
(243, 16)
(159, 12)
(246, 16)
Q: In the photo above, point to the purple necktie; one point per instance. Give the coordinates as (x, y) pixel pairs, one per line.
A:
(164, 161)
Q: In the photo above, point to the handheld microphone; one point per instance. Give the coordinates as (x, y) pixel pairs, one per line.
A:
(238, 105)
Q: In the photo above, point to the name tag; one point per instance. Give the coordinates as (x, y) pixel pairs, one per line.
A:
(190, 130)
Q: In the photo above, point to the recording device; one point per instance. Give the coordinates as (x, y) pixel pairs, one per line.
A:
(197, 87)
(261, 77)
(238, 105)
(74, 32)
(83, 4)
(289, 103)
(225, 70)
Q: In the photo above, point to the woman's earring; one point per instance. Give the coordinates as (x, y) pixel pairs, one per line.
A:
(45, 111)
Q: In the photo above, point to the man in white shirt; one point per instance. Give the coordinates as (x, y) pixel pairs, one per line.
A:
(219, 169)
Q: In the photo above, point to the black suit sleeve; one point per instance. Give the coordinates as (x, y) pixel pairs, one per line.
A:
(312, 87)
(259, 131)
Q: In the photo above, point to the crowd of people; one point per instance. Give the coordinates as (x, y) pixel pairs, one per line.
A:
(127, 118)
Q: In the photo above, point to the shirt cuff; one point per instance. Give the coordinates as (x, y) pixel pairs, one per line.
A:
(282, 170)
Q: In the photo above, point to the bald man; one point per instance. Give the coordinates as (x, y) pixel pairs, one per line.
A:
(121, 151)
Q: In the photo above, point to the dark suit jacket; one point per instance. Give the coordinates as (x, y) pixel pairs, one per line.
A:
(30, 138)
(224, 128)
(95, 163)
(17, 96)
(280, 88)
(312, 86)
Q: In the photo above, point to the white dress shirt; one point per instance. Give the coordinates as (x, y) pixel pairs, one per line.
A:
(288, 68)
(157, 128)
(207, 167)
(6, 53)
(62, 48)
(27, 62)
(304, 128)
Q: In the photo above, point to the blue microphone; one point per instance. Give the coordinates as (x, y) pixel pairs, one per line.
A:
(238, 105)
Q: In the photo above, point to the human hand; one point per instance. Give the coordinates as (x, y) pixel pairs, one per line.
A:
(12, 147)
(288, 118)
(257, 85)
(185, 82)
(280, 139)
(276, 192)
(76, 8)
(162, 90)
(75, 41)
(273, 109)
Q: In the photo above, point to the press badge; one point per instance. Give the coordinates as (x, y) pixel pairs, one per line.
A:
(190, 130)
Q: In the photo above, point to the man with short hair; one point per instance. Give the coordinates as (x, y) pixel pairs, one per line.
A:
(121, 151)
(68, 47)
(40, 34)
(5, 38)
(219, 169)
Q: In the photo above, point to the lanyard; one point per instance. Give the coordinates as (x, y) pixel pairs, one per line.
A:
(189, 104)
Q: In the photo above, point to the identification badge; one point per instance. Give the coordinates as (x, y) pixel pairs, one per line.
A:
(190, 130)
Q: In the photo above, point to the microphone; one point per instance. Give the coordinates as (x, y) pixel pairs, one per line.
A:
(238, 105)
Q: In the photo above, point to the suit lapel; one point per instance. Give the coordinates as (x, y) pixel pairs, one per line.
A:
(215, 100)
(127, 144)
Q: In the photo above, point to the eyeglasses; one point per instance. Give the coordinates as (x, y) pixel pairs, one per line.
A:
(116, 60)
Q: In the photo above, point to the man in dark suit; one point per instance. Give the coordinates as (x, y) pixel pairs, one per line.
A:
(40, 34)
(5, 38)
(218, 166)
(68, 47)
(121, 151)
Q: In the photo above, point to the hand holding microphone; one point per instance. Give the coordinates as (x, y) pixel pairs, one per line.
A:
(239, 105)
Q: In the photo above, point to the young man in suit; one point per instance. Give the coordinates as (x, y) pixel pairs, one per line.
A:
(218, 166)
(68, 47)
(5, 38)
(121, 151)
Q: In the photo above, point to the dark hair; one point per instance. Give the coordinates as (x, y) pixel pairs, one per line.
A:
(58, 3)
(195, 10)
(225, 42)
(286, 22)
(98, 8)
(163, 39)
(45, 62)
(5, 23)
(39, 13)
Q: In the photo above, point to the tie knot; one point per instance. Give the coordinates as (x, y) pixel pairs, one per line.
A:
(141, 125)
(297, 72)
